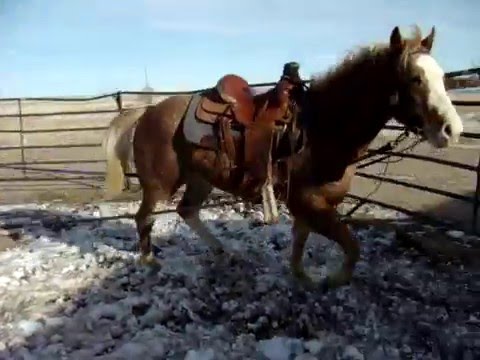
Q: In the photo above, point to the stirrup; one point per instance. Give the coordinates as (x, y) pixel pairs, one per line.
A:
(270, 207)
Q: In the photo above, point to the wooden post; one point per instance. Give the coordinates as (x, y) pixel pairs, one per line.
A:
(22, 136)
(476, 199)
(118, 100)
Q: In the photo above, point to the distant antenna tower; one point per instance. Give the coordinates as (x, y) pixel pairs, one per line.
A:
(146, 98)
(146, 77)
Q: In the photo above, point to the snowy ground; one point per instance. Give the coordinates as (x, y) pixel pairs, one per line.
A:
(73, 290)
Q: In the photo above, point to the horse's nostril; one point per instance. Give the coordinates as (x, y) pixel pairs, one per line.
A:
(448, 130)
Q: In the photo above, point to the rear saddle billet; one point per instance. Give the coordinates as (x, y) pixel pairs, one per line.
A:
(231, 103)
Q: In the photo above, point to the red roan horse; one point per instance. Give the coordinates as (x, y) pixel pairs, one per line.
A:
(342, 112)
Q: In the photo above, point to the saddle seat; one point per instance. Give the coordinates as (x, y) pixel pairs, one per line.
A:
(230, 98)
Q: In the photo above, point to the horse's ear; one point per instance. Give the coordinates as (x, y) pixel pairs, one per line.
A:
(396, 41)
(427, 43)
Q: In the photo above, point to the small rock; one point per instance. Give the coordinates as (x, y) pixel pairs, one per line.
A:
(116, 331)
(70, 310)
(305, 356)
(280, 348)
(153, 316)
(28, 327)
(132, 323)
(16, 342)
(123, 280)
(314, 346)
(55, 338)
(352, 353)
(107, 311)
(135, 281)
(406, 350)
(457, 234)
(24, 354)
(231, 305)
(262, 287)
(131, 350)
(54, 322)
(207, 354)
(82, 354)
(37, 341)
(89, 325)
(19, 274)
(239, 207)
(101, 348)
(54, 349)
(77, 340)
(4, 280)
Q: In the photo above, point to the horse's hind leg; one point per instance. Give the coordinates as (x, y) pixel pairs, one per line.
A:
(196, 192)
(145, 220)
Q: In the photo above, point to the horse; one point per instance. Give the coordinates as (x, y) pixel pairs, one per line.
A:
(342, 111)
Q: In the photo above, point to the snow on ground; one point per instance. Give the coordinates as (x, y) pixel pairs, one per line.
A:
(73, 290)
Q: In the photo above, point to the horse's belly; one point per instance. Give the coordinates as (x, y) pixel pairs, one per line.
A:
(215, 166)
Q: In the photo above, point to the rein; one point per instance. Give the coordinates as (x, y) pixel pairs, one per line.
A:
(389, 146)
(385, 149)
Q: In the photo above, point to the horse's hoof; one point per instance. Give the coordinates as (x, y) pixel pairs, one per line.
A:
(218, 251)
(220, 255)
(150, 261)
(271, 221)
(324, 286)
(334, 281)
(303, 279)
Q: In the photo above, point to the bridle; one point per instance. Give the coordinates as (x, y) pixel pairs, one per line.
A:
(401, 101)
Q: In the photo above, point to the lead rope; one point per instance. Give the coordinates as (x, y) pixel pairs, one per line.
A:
(291, 137)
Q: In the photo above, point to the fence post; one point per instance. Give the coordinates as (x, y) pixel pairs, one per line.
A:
(476, 199)
(22, 136)
(118, 100)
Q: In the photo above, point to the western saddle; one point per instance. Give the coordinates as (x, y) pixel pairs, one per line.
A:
(231, 103)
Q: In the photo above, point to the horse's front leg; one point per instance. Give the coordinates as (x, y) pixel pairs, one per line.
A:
(322, 218)
(300, 232)
(341, 234)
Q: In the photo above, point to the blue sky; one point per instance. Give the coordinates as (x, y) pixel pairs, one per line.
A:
(88, 47)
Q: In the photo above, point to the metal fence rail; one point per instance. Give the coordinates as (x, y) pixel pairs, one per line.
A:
(117, 94)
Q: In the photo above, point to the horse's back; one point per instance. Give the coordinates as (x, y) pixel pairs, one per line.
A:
(165, 116)
(155, 155)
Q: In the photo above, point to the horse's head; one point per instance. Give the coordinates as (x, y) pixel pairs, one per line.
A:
(421, 100)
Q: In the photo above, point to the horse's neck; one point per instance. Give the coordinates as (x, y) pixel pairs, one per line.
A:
(352, 122)
(345, 124)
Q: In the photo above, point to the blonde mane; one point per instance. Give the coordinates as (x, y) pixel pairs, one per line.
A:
(372, 52)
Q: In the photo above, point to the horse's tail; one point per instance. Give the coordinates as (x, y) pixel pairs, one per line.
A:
(117, 148)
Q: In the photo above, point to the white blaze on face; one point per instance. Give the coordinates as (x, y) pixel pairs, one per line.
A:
(447, 126)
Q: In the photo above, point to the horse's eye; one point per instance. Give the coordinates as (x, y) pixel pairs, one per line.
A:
(417, 80)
